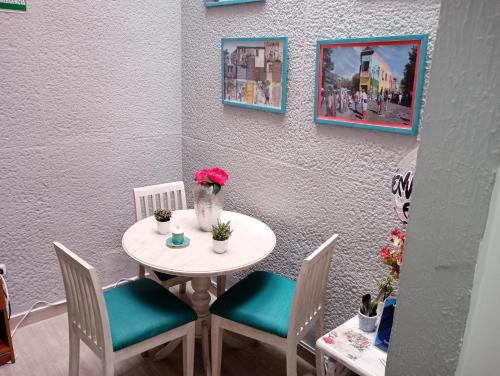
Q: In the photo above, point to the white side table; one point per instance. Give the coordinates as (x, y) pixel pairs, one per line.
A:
(349, 348)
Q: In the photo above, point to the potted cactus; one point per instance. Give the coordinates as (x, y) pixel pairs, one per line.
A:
(367, 314)
(162, 217)
(220, 236)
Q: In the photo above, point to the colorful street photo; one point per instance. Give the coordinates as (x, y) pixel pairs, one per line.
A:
(369, 84)
(254, 73)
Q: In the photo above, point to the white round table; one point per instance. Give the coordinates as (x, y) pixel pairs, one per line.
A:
(251, 242)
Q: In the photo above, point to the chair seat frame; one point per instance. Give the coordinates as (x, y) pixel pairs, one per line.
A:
(88, 320)
(307, 312)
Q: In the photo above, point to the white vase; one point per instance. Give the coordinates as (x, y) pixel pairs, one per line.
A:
(220, 246)
(207, 206)
(163, 227)
(367, 324)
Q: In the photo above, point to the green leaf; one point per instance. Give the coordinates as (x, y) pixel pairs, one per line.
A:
(207, 180)
(216, 188)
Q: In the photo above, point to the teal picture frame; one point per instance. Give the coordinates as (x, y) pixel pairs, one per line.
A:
(421, 41)
(284, 74)
(209, 4)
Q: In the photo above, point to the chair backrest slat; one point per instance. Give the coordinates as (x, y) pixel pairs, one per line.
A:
(86, 308)
(161, 196)
(309, 298)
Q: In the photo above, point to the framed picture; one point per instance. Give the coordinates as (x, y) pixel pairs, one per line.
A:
(216, 3)
(373, 83)
(254, 73)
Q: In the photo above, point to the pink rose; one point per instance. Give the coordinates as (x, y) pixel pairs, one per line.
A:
(199, 176)
(218, 176)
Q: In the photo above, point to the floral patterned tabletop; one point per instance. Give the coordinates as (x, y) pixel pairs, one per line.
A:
(354, 349)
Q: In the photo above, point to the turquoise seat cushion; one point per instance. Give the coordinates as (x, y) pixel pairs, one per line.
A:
(142, 309)
(163, 277)
(262, 300)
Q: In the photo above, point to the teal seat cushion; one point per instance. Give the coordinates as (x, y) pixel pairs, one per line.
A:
(262, 300)
(142, 309)
(163, 277)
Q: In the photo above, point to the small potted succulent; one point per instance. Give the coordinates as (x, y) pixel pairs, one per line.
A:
(162, 217)
(385, 290)
(220, 236)
(367, 314)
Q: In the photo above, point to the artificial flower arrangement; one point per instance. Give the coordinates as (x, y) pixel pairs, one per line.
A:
(215, 177)
(393, 256)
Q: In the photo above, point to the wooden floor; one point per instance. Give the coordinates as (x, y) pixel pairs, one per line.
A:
(42, 350)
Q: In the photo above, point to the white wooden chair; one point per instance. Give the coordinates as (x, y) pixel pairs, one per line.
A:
(165, 196)
(124, 321)
(161, 196)
(274, 309)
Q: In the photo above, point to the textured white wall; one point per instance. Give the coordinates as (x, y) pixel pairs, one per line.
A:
(457, 162)
(90, 106)
(306, 181)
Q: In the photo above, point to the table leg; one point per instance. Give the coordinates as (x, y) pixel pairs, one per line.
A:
(201, 304)
(320, 362)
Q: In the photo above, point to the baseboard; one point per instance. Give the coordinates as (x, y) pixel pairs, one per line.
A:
(39, 314)
(47, 312)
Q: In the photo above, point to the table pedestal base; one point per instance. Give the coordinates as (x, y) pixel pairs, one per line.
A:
(201, 304)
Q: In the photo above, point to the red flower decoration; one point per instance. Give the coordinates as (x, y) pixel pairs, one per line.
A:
(215, 177)
(328, 339)
(394, 257)
(199, 176)
(385, 252)
(218, 176)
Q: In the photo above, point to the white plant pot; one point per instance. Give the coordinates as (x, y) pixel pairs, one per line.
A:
(163, 227)
(220, 246)
(367, 324)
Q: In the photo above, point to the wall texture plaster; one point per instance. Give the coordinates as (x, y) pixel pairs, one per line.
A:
(90, 108)
(305, 180)
(457, 163)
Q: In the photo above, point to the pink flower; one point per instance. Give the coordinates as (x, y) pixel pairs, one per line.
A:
(385, 252)
(218, 176)
(199, 176)
(328, 340)
(399, 259)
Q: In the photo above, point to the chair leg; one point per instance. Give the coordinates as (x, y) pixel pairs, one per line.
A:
(320, 357)
(188, 352)
(221, 285)
(291, 360)
(74, 353)
(142, 271)
(109, 367)
(217, 334)
(182, 288)
(320, 362)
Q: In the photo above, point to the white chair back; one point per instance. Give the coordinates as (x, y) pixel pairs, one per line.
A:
(161, 196)
(87, 314)
(309, 299)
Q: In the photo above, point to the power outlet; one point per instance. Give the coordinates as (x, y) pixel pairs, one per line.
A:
(3, 269)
